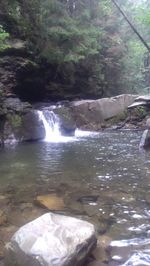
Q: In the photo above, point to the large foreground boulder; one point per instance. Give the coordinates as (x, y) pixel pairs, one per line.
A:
(50, 240)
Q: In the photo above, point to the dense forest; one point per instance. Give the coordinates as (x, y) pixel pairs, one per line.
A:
(70, 49)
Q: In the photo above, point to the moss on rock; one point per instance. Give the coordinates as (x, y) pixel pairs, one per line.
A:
(15, 120)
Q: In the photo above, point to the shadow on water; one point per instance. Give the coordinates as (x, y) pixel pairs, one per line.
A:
(103, 178)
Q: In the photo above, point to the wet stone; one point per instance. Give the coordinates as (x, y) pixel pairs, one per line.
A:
(100, 255)
(75, 207)
(50, 201)
(104, 241)
(100, 225)
(91, 210)
(88, 199)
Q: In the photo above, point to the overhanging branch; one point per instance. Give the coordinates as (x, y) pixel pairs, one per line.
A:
(132, 26)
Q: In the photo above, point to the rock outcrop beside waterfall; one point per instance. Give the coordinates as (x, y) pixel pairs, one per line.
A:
(20, 122)
(51, 240)
(93, 113)
(67, 120)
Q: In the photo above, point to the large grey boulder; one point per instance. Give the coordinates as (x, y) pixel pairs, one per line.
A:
(66, 119)
(23, 127)
(32, 127)
(51, 240)
(97, 111)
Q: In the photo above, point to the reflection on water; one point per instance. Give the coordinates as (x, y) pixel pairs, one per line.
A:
(106, 167)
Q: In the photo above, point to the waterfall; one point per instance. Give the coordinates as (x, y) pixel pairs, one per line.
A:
(51, 125)
(53, 133)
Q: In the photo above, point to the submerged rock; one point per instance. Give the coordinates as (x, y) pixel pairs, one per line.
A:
(51, 202)
(51, 240)
(100, 254)
(88, 199)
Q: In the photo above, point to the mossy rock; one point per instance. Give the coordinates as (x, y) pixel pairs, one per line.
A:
(15, 120)
(117, 119)
(139, 112)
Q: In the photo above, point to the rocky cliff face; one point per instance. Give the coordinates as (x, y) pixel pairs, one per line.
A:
(20, 76)
(37, 80)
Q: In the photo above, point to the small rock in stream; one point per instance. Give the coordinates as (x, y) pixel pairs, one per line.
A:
(51, 202)
(88, 199)
(51, 239)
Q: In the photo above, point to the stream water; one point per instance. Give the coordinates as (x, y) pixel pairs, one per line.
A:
(103, 178)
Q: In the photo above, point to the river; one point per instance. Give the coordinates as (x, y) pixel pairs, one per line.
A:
(103, 178)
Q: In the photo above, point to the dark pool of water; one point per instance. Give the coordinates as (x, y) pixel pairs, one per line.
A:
(103, 178)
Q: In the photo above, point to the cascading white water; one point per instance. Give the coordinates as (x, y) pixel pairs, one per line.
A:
(51, 124)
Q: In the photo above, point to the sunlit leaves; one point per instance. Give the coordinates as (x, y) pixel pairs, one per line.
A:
(3, 36)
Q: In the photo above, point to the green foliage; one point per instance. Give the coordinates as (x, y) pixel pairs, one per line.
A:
(105, 55)
(56, 30)
(67, 36)
(133, 66)
(3, 37)
(15, 120)
(140, 112)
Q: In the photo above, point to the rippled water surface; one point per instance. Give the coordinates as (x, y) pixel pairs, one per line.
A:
(103, 178)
